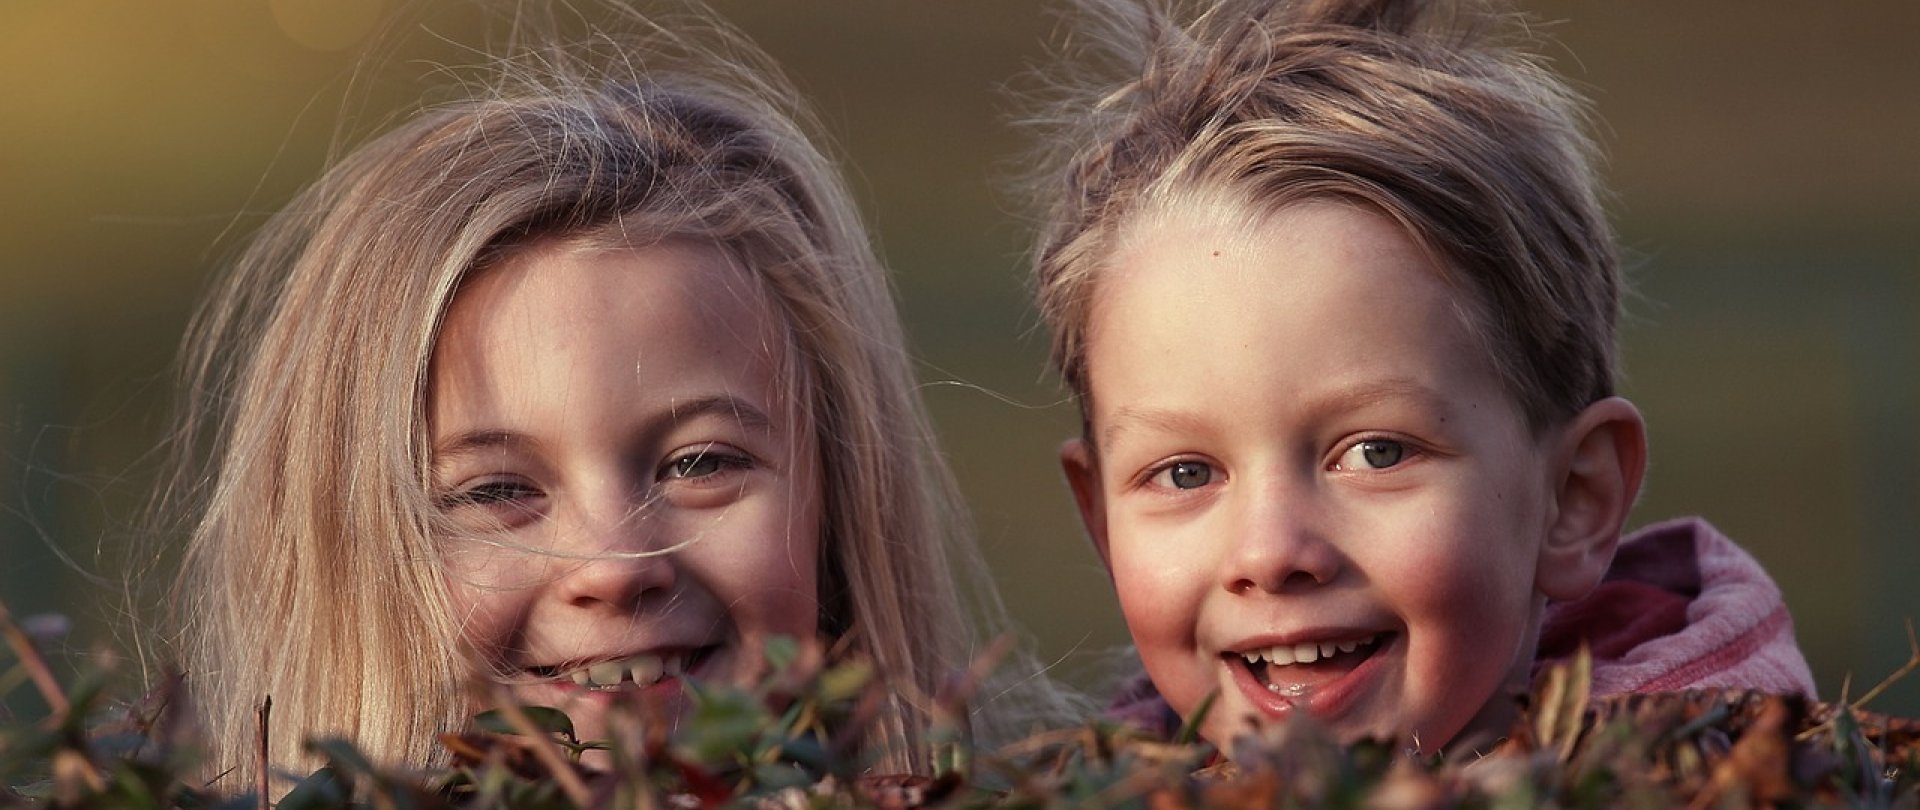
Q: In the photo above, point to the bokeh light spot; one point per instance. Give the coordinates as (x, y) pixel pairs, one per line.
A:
(326, 25)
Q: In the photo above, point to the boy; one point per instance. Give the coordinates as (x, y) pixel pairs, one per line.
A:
(1336, 296)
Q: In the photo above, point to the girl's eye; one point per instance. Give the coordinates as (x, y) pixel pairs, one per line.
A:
(490, 494)
(1185, 475)
(1373, 454)
(703, 463)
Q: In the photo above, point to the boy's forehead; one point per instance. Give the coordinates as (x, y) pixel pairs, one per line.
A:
(1220, 215)
(1220, 235)
(1334, 296)
(1231, 223)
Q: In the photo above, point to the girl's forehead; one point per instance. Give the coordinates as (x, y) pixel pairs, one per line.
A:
(653, 321)
(565, 283)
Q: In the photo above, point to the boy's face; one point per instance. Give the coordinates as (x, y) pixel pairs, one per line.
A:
(1308, 483)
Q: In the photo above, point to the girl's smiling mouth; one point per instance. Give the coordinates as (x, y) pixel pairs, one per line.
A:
(639, 671)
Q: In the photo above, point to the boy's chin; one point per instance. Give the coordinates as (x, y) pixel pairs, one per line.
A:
(1494, 723)
(1349, 700)
(1254, 735)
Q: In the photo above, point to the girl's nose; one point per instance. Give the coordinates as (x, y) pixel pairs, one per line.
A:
(621, 560)
(1279, 544)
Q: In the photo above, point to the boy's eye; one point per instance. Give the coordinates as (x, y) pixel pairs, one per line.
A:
(1372, 454)
(1186, 474)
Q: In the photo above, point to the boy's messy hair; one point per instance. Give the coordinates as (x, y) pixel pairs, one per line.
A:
(1412, 108)
(311, 572)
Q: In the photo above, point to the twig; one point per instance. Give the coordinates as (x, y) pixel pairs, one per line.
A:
(1913, 663)
(260, 751)
(544, 750)
(35, 665)
(1843, 705)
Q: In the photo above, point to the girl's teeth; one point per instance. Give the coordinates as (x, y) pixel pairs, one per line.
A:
(607, 673)
(1348, 646)
(646, 669)
(1305, 653)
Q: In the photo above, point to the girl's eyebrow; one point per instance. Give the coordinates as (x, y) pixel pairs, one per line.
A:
(741, 410)
(473, 441)
(745, 413)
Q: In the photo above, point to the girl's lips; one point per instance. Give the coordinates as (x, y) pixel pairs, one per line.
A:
(1326, 688)
(640, 671)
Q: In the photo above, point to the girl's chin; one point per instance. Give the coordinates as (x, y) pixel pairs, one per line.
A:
(591, 710)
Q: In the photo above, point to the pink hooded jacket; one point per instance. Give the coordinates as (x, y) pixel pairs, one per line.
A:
(1681, 607)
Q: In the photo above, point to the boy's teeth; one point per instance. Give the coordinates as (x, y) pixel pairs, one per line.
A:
(1305, 652)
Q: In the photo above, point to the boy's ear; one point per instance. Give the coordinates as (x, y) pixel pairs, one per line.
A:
(1083, 477)
(1601, 458)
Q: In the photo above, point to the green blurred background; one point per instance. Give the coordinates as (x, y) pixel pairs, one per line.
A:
(1764, 156)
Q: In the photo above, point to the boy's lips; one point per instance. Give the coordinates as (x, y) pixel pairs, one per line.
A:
(1323, 673)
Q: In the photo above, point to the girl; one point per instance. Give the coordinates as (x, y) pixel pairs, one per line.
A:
(583, 384)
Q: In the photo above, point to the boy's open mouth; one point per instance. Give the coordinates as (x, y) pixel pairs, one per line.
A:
(636, 671)
(1294, 670)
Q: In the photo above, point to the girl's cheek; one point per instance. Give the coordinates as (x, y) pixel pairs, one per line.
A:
(488, 594)
(485, 567)
(479, 623)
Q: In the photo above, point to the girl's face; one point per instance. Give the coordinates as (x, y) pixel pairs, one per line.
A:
(633, 495)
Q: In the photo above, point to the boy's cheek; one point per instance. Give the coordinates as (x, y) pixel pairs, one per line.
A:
(1160, 593)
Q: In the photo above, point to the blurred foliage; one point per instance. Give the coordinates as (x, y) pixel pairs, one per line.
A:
(785, 744)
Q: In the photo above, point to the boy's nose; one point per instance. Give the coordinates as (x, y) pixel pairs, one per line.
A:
(622, 559)
(1278, 545)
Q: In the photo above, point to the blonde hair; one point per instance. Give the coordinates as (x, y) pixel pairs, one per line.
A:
(311, 573)
(1409, 107)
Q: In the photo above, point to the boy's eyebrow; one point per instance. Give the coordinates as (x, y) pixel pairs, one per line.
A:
(1368, 393)
(1127, 417)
